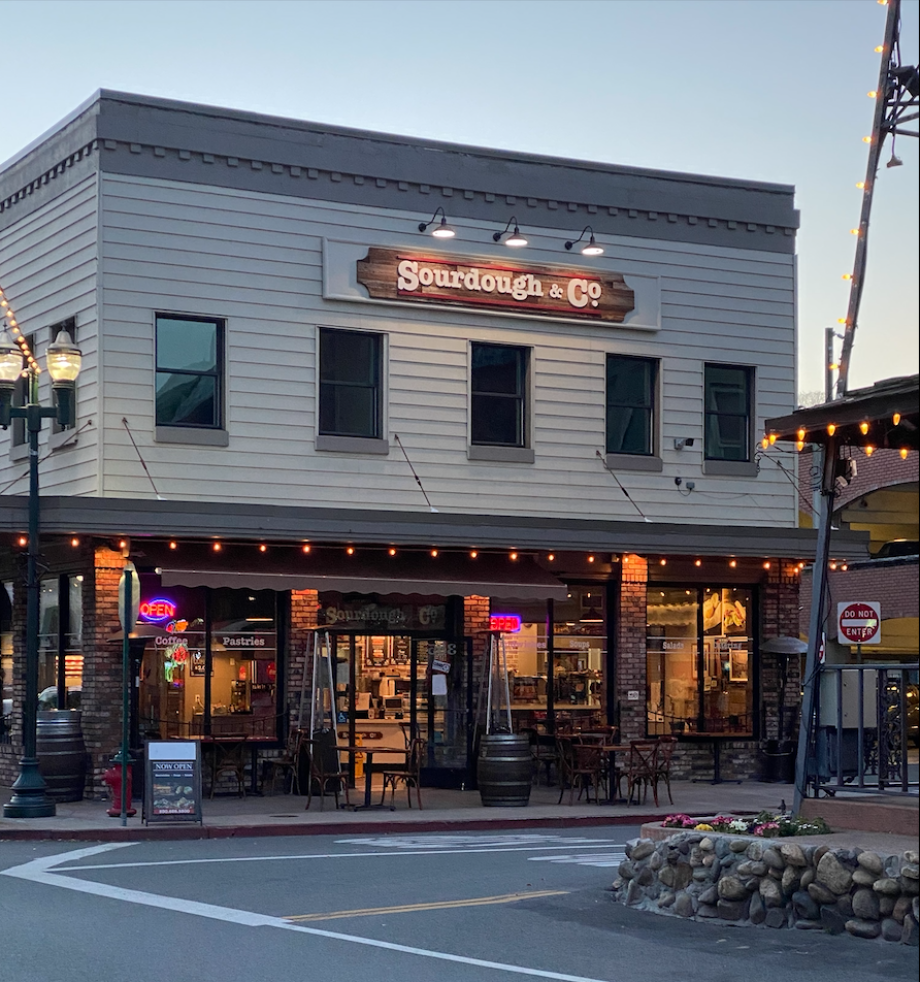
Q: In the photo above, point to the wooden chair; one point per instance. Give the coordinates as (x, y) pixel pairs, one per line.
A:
(408, 775)
(327, 773)
(666, 747)
(287, 763)
(229, 757)
(640, 769)
(581, 765)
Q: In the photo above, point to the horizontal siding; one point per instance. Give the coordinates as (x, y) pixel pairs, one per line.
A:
(257, 261)
(48, 264)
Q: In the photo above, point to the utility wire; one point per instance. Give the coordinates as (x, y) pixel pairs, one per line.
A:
(609, 470)
(141, 459)
(418, 480)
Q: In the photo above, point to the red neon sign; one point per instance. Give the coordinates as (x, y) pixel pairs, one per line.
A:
(506, 623)
(157, 610)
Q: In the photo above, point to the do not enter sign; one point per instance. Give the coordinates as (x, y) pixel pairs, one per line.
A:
(859, 622)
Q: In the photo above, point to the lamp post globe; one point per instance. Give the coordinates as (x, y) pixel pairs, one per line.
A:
(30, 798)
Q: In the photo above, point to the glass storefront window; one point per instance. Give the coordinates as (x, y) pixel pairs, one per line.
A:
(189, 688)
(6, 661)
(699, 655)
(60, 636)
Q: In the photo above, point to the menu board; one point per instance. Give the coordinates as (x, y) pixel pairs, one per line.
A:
(172, 789)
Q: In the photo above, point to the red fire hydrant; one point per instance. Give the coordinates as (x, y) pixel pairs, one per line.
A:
(112, 777)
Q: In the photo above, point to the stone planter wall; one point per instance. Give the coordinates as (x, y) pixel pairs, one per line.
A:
(775, 883)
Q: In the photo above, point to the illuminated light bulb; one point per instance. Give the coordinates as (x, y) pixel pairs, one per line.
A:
(590, 559)
(896, 419)
(662, 562)
(513, 556)
(844, 567)
(864, 427)
(854, 231)
(831, 429)
(772, 439)
(75, 542)
(801, 565)
(861, 185)
(904, 452)
(833, 366)
(473, 554)
(733, 563)
(867, 139)
(766, 565)
(23, 541)
(846, 276)
(122, 544)
(173, 545)
(434, 553)
(868, 450)
(305, 549)
(765, 443)
(801, 434)
(391, 552)
(872, 94)
(879, 48)
(800, 445)
(698, 562)
(217, 547)
(551, 557)
(350, 551)
(833, 565)
(263, 547)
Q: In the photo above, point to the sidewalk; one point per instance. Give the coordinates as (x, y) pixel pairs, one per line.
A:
(444, 811)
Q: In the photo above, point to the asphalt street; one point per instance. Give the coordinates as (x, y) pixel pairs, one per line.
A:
(413, 907)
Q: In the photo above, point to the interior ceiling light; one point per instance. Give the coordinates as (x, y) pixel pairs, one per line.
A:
(590, 248)
(442, 230)
(515, 239)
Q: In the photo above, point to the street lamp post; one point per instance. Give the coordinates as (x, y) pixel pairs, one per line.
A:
(29, 799)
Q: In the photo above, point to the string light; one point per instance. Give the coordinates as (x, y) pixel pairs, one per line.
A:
(896, 419)
(861, 185)
(698, 562)
(904, 452)
(867, 139)
(551, 557)
(833, 565)
(391, 552)
(350, 551)
(7, 311)
(434, 553)
(831, 429)
(879, 48)
(662, 562)
(305, 549)
(846, 276)
(766, 565)
(75, 542)
(23, 540)
(864, 427)
(590, 559)
(473, 554)
(801, 434)
(868, 450)
(800, 445)
(765, 443)
(733, 563)
(513, 556)
(772, 439)
(263, 547)
(217, 547)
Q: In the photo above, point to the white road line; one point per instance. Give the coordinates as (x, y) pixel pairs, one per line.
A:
(318, 855)
(38, 871)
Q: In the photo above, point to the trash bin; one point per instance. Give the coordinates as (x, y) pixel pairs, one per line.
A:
(777, 762)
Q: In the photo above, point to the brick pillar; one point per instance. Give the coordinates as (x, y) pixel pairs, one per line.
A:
(304, 604)
(630, 633)
(780, 618)
(102, 666)
(476, 626)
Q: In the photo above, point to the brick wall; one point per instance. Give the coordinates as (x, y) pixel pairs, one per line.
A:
(780, 604)
(883, 469)
(630, 633)
(476, 626)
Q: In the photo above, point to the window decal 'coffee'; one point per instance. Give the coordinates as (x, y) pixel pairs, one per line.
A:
(547, 291)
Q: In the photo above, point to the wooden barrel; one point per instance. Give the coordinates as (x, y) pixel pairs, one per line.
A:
(504, 770)
(61, 753)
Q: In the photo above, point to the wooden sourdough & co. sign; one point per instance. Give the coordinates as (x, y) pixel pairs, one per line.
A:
(543, 291)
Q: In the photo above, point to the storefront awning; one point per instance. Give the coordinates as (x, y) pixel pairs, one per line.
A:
(400, 576)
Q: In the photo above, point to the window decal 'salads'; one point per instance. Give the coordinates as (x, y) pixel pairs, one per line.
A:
(543, 291)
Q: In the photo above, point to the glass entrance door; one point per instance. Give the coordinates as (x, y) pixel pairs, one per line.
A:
(439, 702)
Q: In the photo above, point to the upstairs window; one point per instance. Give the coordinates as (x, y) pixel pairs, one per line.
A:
(498, 410)
(727, 412)
(189, 372)
(349, 383)
(631, 384)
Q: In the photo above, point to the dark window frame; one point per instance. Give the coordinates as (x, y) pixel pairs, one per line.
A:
(217, 373)
(714, 415)
(650, 409)
(327, 428)
(521, 396)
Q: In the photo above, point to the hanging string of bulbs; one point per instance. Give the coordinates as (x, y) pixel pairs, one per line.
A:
(7, 314)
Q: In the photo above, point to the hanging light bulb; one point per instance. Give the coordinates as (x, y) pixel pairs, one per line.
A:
(800, 445)
(896, 419)
(350, 551)
(766, 565)
(391, 552)
(801, 433)
(698, 562)
(305, 548)
(868, 450)
(831, 429)
(846, 276)
(864, 427)
(772, 439)
(904, 452)
(473, 554)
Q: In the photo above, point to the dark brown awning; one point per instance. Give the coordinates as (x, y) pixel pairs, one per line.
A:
(400, 576)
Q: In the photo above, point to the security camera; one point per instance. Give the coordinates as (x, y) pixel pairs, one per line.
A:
(682, 441)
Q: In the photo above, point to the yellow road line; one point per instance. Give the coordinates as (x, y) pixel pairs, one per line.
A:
(508, 898)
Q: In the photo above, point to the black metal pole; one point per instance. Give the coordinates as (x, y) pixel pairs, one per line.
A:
(29, 799)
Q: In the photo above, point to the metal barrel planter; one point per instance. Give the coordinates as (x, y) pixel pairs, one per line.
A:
(61, 753)
(504, 770)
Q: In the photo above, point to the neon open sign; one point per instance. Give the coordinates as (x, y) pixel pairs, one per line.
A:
(506, 623)
(157, 610)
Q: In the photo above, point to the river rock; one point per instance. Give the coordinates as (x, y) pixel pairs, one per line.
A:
(707, 910)
(776, 917)
(820, 893)
(865, 905)
(901, 909)
(790, 880)
(833, 921)
(710, 861)
(908, 885)
(645, 877)
(773, 859)
(911, 871)
(627, 869)
(667, 899)
(758, 911)
(634, 893)
(887, 886)
(656, 861)
(707, 845)
(731, 910)
(755, 851)
(770, 892)
(833, 874)
(845, 905)
(885, 905)
(871, 861)
(793, 854)
(710, 895)
(738, 845)
(864, 929)
(750, 868)
(807, 877)
(864, 878)
(891, 930)
(675, 877)
(910, 932)
(642, 849)
(731, 888)
(804, 906)
(683, 905)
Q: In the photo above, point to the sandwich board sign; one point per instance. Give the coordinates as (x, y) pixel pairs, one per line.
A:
(859, 622)
(172, 790)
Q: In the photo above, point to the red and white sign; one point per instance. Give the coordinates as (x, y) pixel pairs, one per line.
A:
(859, 622)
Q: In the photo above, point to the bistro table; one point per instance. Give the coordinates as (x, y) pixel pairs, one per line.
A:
(370, 768)
(227, 753)
(610, 751)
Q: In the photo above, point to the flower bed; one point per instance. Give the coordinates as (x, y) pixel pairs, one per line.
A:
(765, 824)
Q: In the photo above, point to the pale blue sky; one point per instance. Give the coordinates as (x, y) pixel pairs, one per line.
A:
(772, 90)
